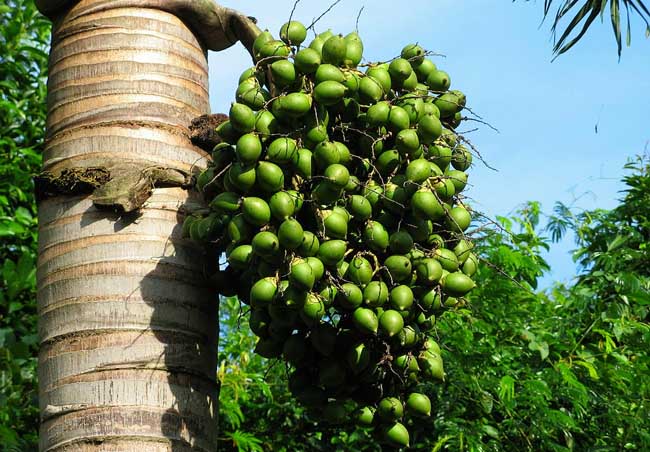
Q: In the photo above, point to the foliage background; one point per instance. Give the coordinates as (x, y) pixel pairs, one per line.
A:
(556, 370)
(24, 38)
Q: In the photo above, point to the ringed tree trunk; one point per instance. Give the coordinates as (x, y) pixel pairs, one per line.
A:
(127, 319)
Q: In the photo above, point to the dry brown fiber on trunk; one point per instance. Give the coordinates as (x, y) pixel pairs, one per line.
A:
(127, 320)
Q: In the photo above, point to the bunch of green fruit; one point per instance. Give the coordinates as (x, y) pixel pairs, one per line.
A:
(335, 196)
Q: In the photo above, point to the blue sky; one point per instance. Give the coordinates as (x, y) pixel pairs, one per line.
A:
(547, 148)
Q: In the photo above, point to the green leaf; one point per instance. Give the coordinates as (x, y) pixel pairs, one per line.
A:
(593, 373)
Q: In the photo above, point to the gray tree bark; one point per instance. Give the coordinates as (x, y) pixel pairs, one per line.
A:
(128, 321)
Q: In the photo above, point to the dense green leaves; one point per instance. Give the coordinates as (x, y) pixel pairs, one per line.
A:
(24, 37)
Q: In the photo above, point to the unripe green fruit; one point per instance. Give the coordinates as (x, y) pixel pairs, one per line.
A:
(458, 178)
(254, 98)
(272, 51)
(425, 322)
(326, 153)
(429, 271)
(344, 152)
(471, 265)
(307, 61)
(317, 267)
(309, 245)
(359, 207)
(242, 177)
(328, 294)
(462, 250)
(438, 81)
(398, 119)
(457, 284)
(269, 177)
(390, 409)
(375, 294)
(293, 33)
(449, 104)
(261, 39)
(418, 404)
(387, 162)
(431, 109)
(414, 54)
(283, 72)
(281, 150)
(429, 128)
(395, 199)
(335, 225)
(401, 298)
(329, 92)
(419, 170)
(382, 75)
(370, 90)
(360, 271)
(290, 234)
(265, 124)
(334, 50)
(458, 219)
(391, 323)
(365, 320)
(241, 117)
(426, 205)
(337, 174)
(440, 155)
(240, 257)
(365, 416)
(226, 202)
(265, 244)
(372, 192)
(332, 251)
(377, 114)
(282, 205)
(414, 106)
(444, 188)
(302, 276)
(408, 337)
(401, 242)
(461, 158)
(447, 259)
(290, 106)
(249, 148)
(395, 435)
(424, 69)
(263, 292)
(431, 365)
(313, 310)
(238, 229)
(353, 50)
(302, 163)
(375, 236)
(358, 358)
(328, 72)
(256, 211)
(410, 84)
(407, 141)
(317, 46)
(349, 297)
(400, 69)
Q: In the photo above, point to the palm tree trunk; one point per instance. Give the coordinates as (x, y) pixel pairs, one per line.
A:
(128, 323)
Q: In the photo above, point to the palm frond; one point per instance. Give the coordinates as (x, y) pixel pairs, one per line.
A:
(586, 12)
